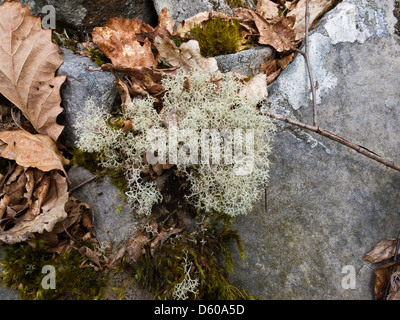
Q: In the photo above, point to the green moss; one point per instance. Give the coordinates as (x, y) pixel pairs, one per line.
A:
(217, 37)
(236, 3)
(86, 160)
(22, 270)
(98, 57)
(160, 271)
(62, 39)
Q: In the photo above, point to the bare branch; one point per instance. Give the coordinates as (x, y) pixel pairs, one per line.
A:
(306, 56)
(360, 149)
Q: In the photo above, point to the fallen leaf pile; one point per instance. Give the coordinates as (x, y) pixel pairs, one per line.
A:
(34, 198)
(141, 52)
(387, 276)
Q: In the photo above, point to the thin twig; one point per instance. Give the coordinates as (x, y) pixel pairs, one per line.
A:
(83, 183)
(360, 149)
(266, 198)
(306, 56)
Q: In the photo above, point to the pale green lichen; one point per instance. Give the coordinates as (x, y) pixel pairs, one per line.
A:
(232, 188)
(195, 106)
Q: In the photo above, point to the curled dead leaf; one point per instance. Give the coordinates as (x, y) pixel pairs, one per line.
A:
(268, 9)
(316, 9)
(384, 250)
(117, 39)
(278, 33)
(256, 87)
(29, 150)
(51, 212)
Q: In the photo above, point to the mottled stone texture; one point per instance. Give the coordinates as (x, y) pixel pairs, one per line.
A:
(80, 86)
(83, 16)
(327, 204)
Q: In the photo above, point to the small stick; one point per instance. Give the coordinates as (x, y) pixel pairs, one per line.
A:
(334, 137)
(306, 56)
(266, 198)
(82, 184)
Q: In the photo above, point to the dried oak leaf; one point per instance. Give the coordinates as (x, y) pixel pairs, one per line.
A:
(51, 212)
(268, 9)
(117, 39)
(28, 62)
(382, 251)
(277, 33)
(316, 9)
(32, 150)
(165, 22)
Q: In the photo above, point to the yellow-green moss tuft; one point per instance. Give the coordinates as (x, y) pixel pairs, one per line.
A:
(217, 37)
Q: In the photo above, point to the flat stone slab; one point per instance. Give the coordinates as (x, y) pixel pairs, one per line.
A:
(328, 205)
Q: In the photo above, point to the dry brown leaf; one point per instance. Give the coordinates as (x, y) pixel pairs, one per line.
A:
(162, 237)
(184, 27)
(394, 292)
(256, 87)
(277, 33)
(40, 195)
(90, 254)
(382, 251)
(118, 41)
(123, 91)
(28, 62)
(268, 9)
(28, 150)
(190, 52)
(316, 9)
(148, 80)
(186, 57)
(273, 76)
(52, 212)
(164, 21)
(382, 278)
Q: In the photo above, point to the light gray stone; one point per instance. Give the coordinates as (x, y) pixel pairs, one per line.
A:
(328, 205)
(246, 62)
(113, 219)
(83, 16)
(81, 85)
(183, 9)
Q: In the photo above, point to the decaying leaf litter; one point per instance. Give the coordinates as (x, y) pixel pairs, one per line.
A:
(34, 198)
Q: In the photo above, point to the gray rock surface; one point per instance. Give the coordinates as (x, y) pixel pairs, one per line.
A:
(246, 62)
(83, 16)
(81, 85)
(328, 205)
(113, 220)
(183, 9)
